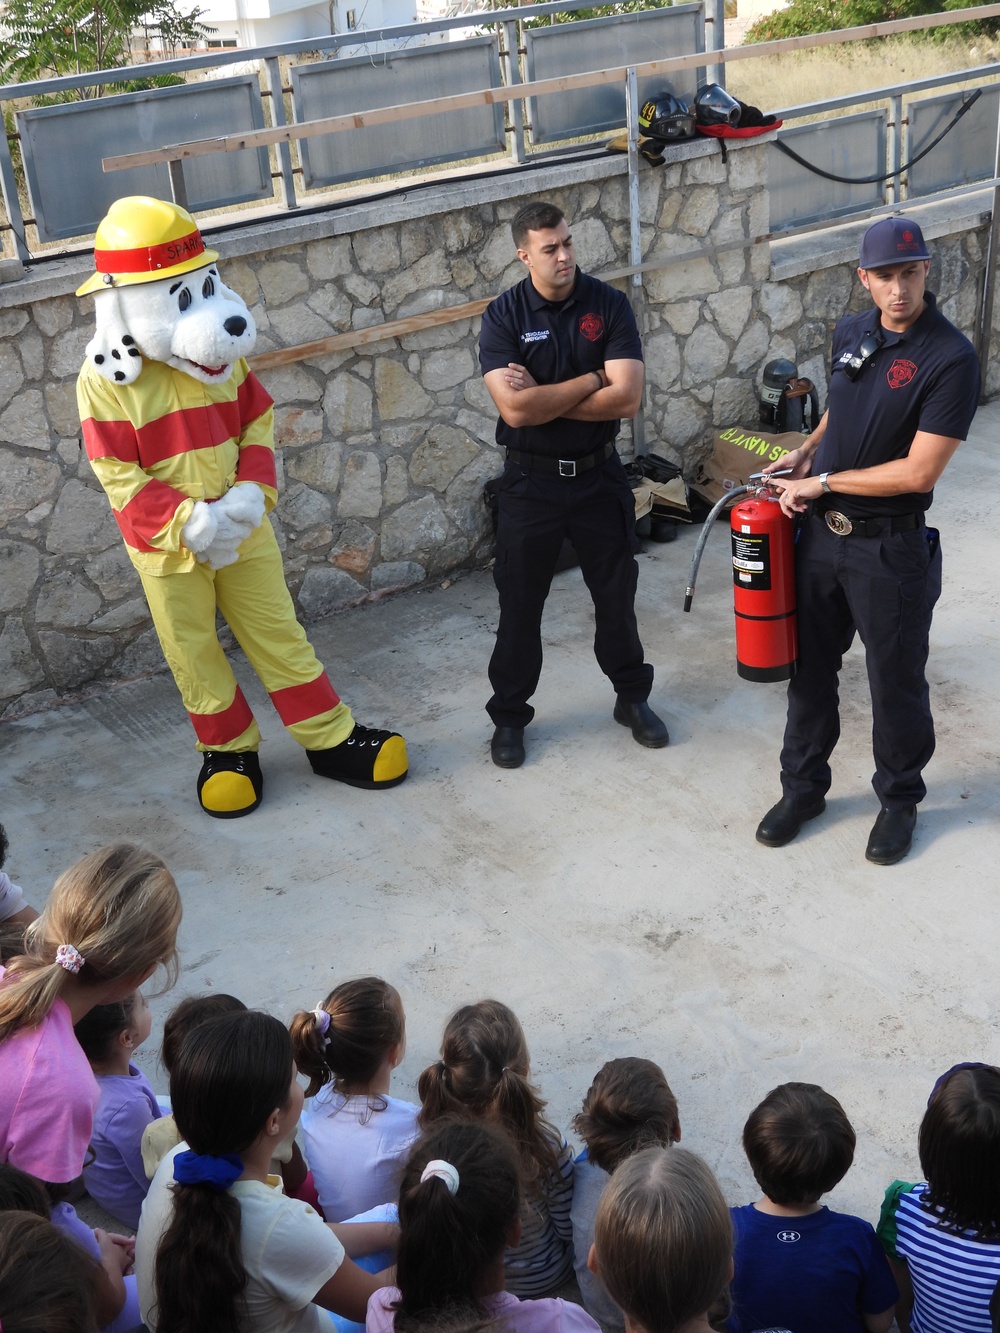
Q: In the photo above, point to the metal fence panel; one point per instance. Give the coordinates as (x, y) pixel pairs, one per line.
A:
(65, 143)
(964, 155)
(846, 146)
(361, 83)
(625, 39)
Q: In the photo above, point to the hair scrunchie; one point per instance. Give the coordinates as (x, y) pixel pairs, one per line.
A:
(68, 956)
(323, 1023)
(438, 1170)
(191, 1168)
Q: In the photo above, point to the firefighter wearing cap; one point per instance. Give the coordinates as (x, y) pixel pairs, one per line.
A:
(903, 391)
(179, 432)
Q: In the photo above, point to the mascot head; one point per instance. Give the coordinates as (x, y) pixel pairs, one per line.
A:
(158, 295)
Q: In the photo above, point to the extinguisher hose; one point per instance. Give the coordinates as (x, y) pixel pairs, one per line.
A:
(703, 538)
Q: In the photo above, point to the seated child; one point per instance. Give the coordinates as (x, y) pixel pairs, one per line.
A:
(798, 1264)
(663, 1243)
(356, 1136)
(943, 1235)
(485, 1073)
(109, 1035)
(629, 1107)
(162, 1134)
(13, 908)
(459, 1208)
(46, 1282)
(116, 1301)
(220, 1246)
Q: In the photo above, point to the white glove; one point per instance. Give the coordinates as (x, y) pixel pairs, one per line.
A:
(229, 531)
(221, 553)
(244, 503)
(198, 532)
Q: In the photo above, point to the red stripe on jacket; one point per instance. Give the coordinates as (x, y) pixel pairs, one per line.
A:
(298, 703)
(111, 439)
(257, 464)
(221, 728)
(187, 429)
(147, 513)
(253, 398)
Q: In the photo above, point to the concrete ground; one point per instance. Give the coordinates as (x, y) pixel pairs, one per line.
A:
(614, 896)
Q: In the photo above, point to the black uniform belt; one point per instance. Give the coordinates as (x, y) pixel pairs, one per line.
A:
(562, 467)
(843, 525)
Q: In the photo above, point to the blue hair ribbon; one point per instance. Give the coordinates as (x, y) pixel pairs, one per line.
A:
(191, 1168)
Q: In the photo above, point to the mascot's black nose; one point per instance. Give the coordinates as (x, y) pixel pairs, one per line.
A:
(235, 325)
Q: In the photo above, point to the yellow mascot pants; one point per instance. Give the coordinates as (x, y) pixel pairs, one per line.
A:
(254, 600)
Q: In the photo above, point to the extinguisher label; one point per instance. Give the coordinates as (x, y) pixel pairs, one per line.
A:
(752, 560)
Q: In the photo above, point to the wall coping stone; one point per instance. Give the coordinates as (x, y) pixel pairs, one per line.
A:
(409, 201)
(831, 246)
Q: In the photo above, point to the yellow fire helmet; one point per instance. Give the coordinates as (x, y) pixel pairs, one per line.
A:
(143, 240)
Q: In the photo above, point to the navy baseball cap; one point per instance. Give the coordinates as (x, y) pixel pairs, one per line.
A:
(892, 241)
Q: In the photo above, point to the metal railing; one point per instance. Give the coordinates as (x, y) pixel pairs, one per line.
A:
(797, 196)
(507, 27)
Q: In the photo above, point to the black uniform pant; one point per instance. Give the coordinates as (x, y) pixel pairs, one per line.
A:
(884, 588)
(536, 510)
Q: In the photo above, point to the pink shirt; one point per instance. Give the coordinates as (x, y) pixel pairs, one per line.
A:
(549, 1315)
(48, 1098)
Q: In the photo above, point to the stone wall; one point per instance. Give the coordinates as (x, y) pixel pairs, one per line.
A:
(383, 450)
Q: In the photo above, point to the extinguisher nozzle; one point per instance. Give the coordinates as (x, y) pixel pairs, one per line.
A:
(688, 598)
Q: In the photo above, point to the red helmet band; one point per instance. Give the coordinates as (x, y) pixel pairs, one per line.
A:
(150, 258)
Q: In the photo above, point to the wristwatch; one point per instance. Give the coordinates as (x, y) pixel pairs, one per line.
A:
(824, 481)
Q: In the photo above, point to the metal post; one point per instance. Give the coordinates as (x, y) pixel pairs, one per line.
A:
(12, 203)
(272, 74)
(895, 148)
(984, 331)
(512, 74)
(715, 40)
(635, 231)
(178, 189)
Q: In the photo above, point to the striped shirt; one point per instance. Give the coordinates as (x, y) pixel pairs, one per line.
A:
(953, 1276)
(544, 1259)
(166, 440)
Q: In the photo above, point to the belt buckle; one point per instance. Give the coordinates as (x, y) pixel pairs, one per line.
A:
(838, 523)
(567, 467)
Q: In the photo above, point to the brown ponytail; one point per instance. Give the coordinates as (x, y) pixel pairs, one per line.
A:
(483, 1072)
(365, 1023)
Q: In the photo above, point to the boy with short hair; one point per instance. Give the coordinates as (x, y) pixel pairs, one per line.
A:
(800, 1265)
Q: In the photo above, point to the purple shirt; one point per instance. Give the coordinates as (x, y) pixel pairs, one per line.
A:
(549, 1315)
(116, 1178)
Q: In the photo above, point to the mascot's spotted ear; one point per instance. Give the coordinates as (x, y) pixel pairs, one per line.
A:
(112, 350)
(180, 433)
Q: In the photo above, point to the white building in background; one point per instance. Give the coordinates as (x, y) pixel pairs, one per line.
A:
(263, 22)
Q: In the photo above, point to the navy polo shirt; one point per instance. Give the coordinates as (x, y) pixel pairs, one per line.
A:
(924, 379)
(557, 341)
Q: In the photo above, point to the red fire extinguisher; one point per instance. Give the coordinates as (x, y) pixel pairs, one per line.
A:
(763, 581)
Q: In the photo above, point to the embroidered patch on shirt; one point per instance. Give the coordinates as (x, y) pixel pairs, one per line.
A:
(900, 373)
(591, 326)
(535, 336)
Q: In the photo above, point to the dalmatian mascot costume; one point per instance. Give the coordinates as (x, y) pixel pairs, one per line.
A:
(181, 436)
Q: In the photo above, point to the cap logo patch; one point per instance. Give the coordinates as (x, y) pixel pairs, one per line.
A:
(591, 326)
(900, 373)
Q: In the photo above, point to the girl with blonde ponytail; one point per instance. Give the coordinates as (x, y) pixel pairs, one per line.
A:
(109, 922)
(483, 1074)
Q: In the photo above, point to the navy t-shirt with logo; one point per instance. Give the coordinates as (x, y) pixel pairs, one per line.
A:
(558, 341)
(819, 1273)
(924, 379)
